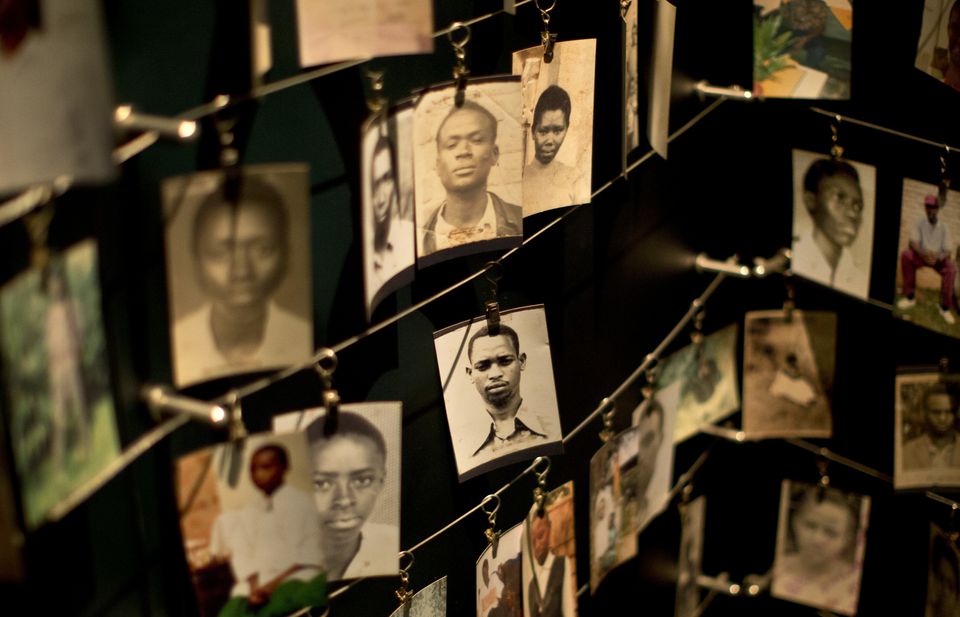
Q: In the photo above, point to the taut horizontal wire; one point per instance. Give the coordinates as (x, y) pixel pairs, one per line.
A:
(884, 129)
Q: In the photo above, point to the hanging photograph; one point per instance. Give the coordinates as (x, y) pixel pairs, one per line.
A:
(549, 558)
(334, 30)
(468, 167)
(788, 367)
(238, 271)
(631, 81)
(499, 583)
(60, 411)
(498, 390)
(707, 373)
(56, 112)
(652, 471)
(802, 48)
(557, 124)
(661, 77)
(356, 486)
(927, 267)
(820, 544)
(431, 601)
(926, 444)
(833, 214)
(938, 49)
(943, 578)
(613, 497)
(690, 561)
(250, 530)
(389, 244)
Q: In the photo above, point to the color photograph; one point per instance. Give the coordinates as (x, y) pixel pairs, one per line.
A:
(938, 48)
(499, 582)
(549, 557)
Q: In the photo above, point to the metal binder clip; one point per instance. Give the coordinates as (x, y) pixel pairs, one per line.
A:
(491, 533)
(325, 366)
(650, 375)
(376, 102)
(607, 433)
(404, 594)
(540, 492)
(547, 39)
(493, 274)
(836, 150)
(460, 70)
(236, 429)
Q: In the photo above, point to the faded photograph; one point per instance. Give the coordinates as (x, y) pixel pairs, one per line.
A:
(238, 271)
(656, 420)
(707, 373)
(56, 112)
(820, 544)
(499, 581)
(938, 48)
(557, 123)
(387, 230)
(356, 486)
(943, 577)
(549, 558)
(431, 601)
(61, 410)
(498, 390)
(690, 561)
(334, 30)
(802, 48)
(631, 81)
(250, 529)
(833, 214)
(926, 444)
(788, 368)
(927, 265)
(661, 77)
(468, 163)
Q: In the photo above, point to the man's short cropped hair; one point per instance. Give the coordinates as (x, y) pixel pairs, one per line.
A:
(252, 189)
(349, 424)
(940, 389)
(506, 331)
(826, 168)
(469, 105)
(552, 99)
(278, 450)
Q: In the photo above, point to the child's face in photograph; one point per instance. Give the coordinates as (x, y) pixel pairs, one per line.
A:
(823, 531)
(348, 473)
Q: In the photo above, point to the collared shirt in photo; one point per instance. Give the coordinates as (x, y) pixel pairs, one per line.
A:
(500, 220)
(527, 427)
(922, 452)
(934, 237)
(848, 275)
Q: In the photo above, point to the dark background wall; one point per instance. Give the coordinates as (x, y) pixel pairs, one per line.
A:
(615, 276)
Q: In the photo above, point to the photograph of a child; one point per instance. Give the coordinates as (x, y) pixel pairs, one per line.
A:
(61, 410)
(431, 601)
(926, 442)
(938, 48)
(821, 540)
(943, 577)
(788, 369)
(251, 533)
(690, 561)
(549, 557)
(833, 214)
(355, 485)
(499, 579)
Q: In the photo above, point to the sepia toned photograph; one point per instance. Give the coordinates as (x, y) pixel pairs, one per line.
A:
(334, 30)
(61, 414)
(943, 575)
(549, 557)
(431, 601)
(251, 533)
(926, 280)
(690, 561)
(468, 166)
(788, 369)
(708, 377)
(238, 271)
(649, 459)
(938, 48)
(802, 48)
(557, 123)
(661, 77)
(356, 485)
(926, 448)
(821, 539)
(499, 579)
(498, 390)
(833, 213)
(58, 122)
(387, 229)
(631, 81)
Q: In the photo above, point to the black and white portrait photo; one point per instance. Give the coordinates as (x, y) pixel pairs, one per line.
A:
(238, 271)
(558, 124)
(356, 486)
(468, 163)
(652, 453)
(833, 213)
(499, 579)
(938, 49)
(690, 560)
(498, 390)
(549, 557)
(820, 544)
(250, 530)
(431, 601)
(943, 576)
(631, 80)
(708, 377)
(788, 368)
(927, 444)
(389, 244)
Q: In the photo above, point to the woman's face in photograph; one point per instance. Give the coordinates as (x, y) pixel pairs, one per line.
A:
(823, 531)
(348, 473)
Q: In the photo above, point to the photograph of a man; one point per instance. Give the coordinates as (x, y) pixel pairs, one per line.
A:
(504, 564)
(938, 49)
(558, 116)
(928, 270)
(833, 214)
(549, 577)
(238, 272)
(468, 171)
(498, 390)
(927, 450)
(654, 421)
(943, 582)
(389, 249)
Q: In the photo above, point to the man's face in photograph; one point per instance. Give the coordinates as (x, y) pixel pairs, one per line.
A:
(348, 474)
(495, 369)
(548, 134)
(837, 208)
(384, 185)
(940, 414)
(932, 211)
(466, 150)
(267, 469)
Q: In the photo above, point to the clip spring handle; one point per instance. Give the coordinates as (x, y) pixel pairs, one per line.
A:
(460, 70)
(547, 38)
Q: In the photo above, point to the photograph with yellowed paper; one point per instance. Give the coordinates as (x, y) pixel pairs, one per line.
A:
(549, 557)
(648, 462)
(557, 123)
(499, 579)
(927, 434)
(631, 80)
(431, 601)
(938, 49)
(802, 48)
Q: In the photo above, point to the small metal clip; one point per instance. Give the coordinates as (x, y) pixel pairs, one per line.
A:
(624, 7)
(547, 39)
(376, 102)
(492, 535)
(607, 433)
(944, 176)
(235, 429)
(404, 594)
(325, 365)
(540, 492)
(493, 274)
(836, 150)
(460, 70)
(650, 375)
